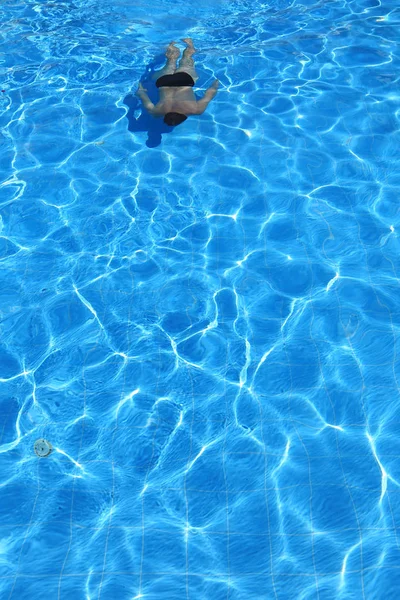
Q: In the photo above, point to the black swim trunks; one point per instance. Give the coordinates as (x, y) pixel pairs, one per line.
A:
(175, 80)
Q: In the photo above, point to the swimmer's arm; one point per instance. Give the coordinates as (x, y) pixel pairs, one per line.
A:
(157, 111)
(147, 103)
(208, 96)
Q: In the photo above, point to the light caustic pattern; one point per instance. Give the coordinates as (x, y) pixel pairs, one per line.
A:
(203, 323)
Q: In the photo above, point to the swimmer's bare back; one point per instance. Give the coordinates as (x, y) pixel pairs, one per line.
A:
(177, 98)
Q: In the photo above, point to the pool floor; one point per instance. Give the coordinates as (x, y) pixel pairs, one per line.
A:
(199, 325)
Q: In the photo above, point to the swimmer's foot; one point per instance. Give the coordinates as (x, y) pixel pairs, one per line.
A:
(172, 51)
(190, 46)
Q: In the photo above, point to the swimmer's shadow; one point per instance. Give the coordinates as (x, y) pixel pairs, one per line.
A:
(155, 127)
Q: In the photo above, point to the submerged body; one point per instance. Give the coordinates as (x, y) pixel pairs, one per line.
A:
(178, 99)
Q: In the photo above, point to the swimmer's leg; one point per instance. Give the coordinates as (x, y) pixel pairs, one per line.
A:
(172, 54)
(186, 63)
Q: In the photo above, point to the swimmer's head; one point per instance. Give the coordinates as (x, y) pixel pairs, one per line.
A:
(173, 119)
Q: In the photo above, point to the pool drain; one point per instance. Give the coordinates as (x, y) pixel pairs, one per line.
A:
(42, 448)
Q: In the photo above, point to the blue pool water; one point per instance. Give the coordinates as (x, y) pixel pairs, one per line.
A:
(203, 322)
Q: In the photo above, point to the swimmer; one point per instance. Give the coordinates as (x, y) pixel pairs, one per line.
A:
(177, 100)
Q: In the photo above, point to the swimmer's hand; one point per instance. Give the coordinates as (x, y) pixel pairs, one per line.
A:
(147, 103)
(140, 90)
(208, 96)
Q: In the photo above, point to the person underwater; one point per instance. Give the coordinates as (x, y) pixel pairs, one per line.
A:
(177, 100)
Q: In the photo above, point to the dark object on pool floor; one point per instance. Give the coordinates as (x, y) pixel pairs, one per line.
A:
(42, 448)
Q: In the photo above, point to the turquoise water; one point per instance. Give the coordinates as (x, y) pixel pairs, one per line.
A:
(202, 321)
